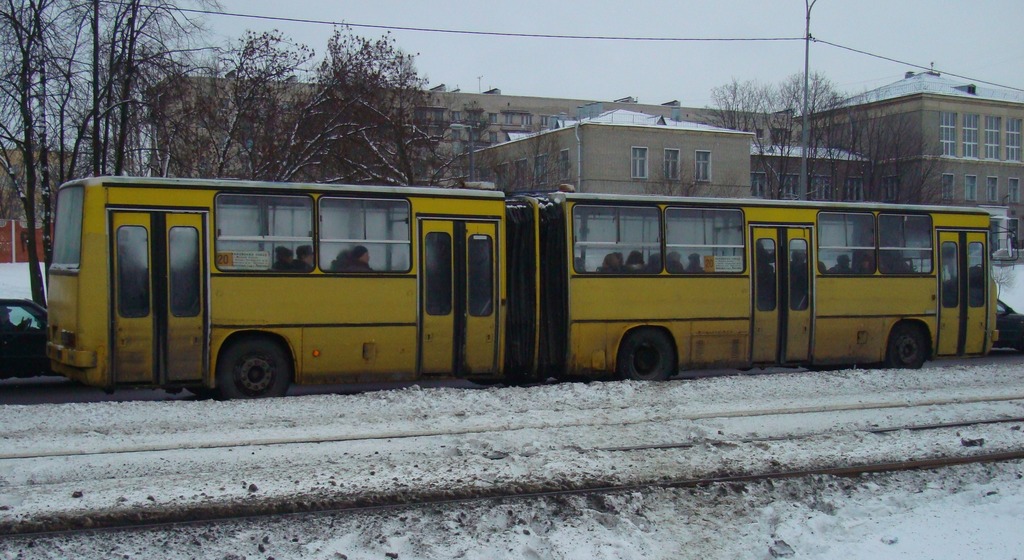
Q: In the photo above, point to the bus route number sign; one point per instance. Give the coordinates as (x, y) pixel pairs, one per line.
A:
(243, 260)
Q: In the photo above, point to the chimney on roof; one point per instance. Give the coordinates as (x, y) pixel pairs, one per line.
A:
(908, 75)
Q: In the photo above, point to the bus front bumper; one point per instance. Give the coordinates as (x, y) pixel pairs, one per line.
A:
(70, 356)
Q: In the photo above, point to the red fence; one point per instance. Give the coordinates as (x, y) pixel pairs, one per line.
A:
(14, 241)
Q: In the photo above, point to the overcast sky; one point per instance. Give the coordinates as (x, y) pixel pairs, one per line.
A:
(982, 39)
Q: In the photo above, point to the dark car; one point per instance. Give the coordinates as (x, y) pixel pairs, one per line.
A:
(1011, 327)
(22, 339)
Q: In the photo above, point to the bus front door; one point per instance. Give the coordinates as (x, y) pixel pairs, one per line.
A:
(782, 298)
(963, 293)
(458, 298)
(158, 298)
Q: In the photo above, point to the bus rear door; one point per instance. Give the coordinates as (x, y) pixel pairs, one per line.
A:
(963, 293)
(158, 298)
(782, 298)
(458, 297)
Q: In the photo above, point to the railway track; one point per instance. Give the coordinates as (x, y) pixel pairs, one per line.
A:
(668, 463)
(192, 519)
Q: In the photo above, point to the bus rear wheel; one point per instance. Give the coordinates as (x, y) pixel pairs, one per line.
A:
(253, 368)
(907, 348)
(646, 355)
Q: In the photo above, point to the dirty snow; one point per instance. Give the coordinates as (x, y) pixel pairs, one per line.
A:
(398, 446)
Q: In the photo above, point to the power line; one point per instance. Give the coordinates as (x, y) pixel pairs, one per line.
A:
(581, 37)
(911, 64)
(487, 33)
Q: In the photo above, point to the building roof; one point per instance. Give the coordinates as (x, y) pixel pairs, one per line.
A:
(635, 118)
(935, 83)
(775, 150)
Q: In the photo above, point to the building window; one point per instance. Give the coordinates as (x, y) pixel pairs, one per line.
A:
(456, 116)
(970, 187)
(492, 136)
(1013, 139)
(638, 163)
(971, 136)
(821, 187)
(545, 121)
(672, 164)
(502, 177)
(540, 170)
(520, 178)
(527, 120)
(992, 128)
(1013, 190)
(947, 186)
(702, 166)
(890, 188)
(790, 182)
(492, 118)
(853, 188)
(759, 184)
(508, 118)
(563, 165)
(992, 188)
(947, 134)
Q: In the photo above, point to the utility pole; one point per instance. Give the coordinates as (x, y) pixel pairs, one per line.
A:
(804, 131)
(96, 88)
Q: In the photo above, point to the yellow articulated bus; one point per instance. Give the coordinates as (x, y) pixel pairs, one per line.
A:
(242, 288)
(247, 287)
(640, 287)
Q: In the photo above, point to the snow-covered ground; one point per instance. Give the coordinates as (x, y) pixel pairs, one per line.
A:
(418, 441)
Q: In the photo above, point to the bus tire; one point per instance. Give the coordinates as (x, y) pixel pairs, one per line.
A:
(646, 355)
(253, 368)
(907, 348)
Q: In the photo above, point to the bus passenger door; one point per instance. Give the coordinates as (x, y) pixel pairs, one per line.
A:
(158, 297)
(782, 298)
(458, 298)
(963, 293)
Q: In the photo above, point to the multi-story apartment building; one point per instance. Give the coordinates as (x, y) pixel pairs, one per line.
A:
(931, 139)
(623, 152)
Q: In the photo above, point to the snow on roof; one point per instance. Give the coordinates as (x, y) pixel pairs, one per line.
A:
(636, 118)
(935, 83)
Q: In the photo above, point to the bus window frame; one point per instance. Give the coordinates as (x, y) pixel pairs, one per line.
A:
(365, 242)
(272, 240)
(885, 250)
(851, 251)
(611, 246)
(741, 248)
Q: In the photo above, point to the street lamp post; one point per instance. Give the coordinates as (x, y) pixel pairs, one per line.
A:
(804, 132)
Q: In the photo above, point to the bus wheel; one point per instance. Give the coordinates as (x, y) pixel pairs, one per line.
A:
(907, 347)
(253, 368)
(646, 355)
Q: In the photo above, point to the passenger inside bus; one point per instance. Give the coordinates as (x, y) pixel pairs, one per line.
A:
(304, 263)
(612, 264)
(694, 263)
(842, 265)
(635, 261)
(653, 264)
(674, 263)
(355, 260)
(284, 258)
(865, 264)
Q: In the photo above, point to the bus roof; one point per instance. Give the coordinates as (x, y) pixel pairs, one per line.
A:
(239, 185)
(787, 203)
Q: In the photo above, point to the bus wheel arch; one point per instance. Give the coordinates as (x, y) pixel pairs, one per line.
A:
(908, 346)
(647, 354)
(254, 365)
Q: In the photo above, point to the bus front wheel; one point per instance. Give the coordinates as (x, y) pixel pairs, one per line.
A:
(907, 347)
(253, 368)
(646, 355)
